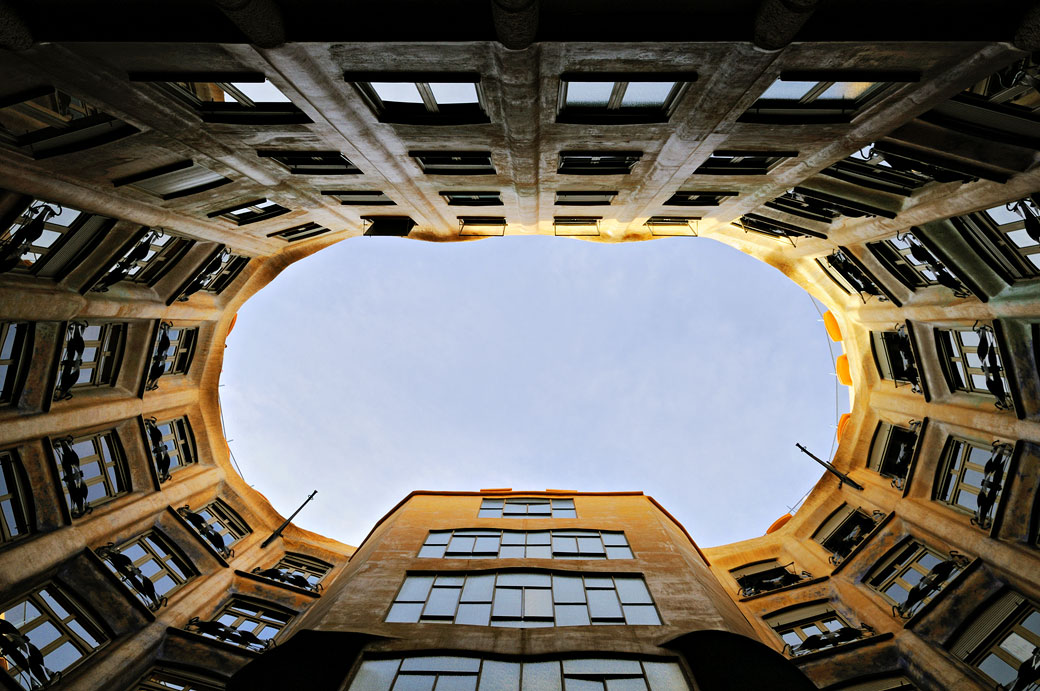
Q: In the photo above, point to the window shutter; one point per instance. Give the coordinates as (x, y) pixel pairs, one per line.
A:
(985, 624)
(833, 522)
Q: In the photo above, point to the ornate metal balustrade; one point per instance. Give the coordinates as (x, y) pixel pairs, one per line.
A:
(223, 632)
(205, 275)
(830, 639)
(942, 275)
(72, 476)
(160, 454)
(771, 579)
(132, 576)
(208, 532)
(992, 483)
(69, 369)
(18, 649)
(989, 355)
(283, 576)
(930, 584)
(158, 365)
(121, 269)
(21, 241)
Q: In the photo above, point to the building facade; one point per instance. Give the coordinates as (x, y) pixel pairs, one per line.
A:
(160, 163)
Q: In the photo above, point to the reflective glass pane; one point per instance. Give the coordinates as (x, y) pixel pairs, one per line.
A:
(507, 602)
(442, 602)
(664, 676)
(998, 670)
(568, 589)
(589, 94)
(647, 94)
(397, 92)
(499, 676)
(603, 604)
(845, 91)
(538, 603)
(375, 675)
(478, 588)
(445, 93)
(541, 676)
(641, 614)
(787, 91)
(405, 612)
(592, 666)
(265, 92)
(475, 614)
(632, 591)
(441, 663)
(572, 615)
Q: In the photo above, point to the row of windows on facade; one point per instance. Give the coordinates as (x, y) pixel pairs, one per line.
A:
(46, 240)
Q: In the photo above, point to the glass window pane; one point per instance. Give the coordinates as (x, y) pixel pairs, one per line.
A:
(511, 552)
(500, 676)
(445, 93)
(647, 94)
(589, 94)
(456, 683)
(475, 614)
(1032, 623)
(539, 552)
(61, 657)
(564, 513)
(442, 602)
(572, 615)
(441, 663)
(565, 544)
(438, 537)
(415, 589)
(1018, 647)
(641, 614)
(568, 589)
(612, 538)
(619, 553)
(264, 92)
(538, 603)
(405, 612)
(998, 670)
(788, 91)
(542, 676)
(478, 588)
(507, 602)
(664, 676)
(603, 604)
(626, 684)
(397, 92)
(632, 591)
(593, 666)
(538, 580)
(845, 91)
(434, 551)
(513, 537)
(375, 675)
(415, 682)
(461, 544)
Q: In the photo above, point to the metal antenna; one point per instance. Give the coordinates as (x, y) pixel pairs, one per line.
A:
(288, 520)
(842, 477)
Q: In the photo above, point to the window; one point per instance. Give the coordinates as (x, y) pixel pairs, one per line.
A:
(216, 274)
(434, 98)
(820, 206)
(387, 226)
(90, 357)
(742, 162)
(673, 226)
(913, 575)
(218, 524)
(301, 232)
(488, 543)
(298, 570)
(1001, 641)
(698, 198)
(177, 680)
(47, 122)
(589, 98)
(247, 623)
(894, 356)
(151, 255)
(472, 198)
(482, 226)
(971, 362)
(524, 599)
(171, 444)
(454, 162)
(592, 198)
(773, 228)
(892, 451)
(527, 507)
(253, 211)
(312, 162)
(576, 226)
(821, 97)
(808, 628)
(47, 237)
(93, 470)
(913, 264)
(174, 181)
(15, 498)
(149, 566)
(971, 478)
(48, 622)
(361, 197)
(597, 162)
(1007, 237)
(870, 168)
(14, 344)
(454, 672)
(174, 350)
(846, 529)
(850, 276)
(244, 98)
(766, 576)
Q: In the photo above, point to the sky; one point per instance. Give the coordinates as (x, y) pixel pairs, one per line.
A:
(679, 367)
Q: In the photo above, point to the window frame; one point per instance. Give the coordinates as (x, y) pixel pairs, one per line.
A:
(17, 504)
(698, 198)
(844, 258)
(169, 563)
(16, 338)
(256, 210)
(617, 162)
(429, 112)
(160, 679)
(367, 197)
(108, 347)
(615, 112)
(173, 173)
(545, 544)
(179, 443)
(599, 197)
(323, 163)
(812, 109)
(892, 570)
(952, 478)
(889, 438)
(113, 469)
(991, 627)
(225, 521)
(468, 162)
(487, 198)
(743, 162)
(886, 347)
(487, 505)
(993, 241)
(246, 610)
(76, 238)
(868, 168)
(242, 111)
(895, 253)
(834, 533)
(772, 228)
(953, 351)
(304, 231)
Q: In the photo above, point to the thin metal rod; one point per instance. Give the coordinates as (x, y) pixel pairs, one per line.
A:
(288, 520)
(831, 469)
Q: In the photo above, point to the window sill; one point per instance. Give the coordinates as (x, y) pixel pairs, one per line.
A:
(223, 646)
(851, 645)
(793, 586)
(277, 584)
(203, 541)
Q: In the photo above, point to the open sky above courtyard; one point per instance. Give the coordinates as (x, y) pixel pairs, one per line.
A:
(679, 367)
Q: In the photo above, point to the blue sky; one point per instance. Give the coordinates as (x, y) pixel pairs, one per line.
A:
(679, 367)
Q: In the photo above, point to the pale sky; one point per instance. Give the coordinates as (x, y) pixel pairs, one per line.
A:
(679, 367)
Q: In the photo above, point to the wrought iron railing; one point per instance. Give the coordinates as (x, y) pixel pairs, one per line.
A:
(223, 632)
(69, 369)
(283, 576)
(208, 532)
(157, 368)
(72, 476)
(830, 639)
(930, 584)
(992, 483)
(21, 241)
(121, 269)
(18, 649)
(132, 576)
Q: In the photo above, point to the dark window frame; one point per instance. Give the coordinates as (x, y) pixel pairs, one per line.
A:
(597, 162)
(244, 111)
(454, 162)
(615, 112)
(743, 162)
(429, 112)
(172, 172)
(258, 210)
(811, 108)
(311, 162)
(363, 197)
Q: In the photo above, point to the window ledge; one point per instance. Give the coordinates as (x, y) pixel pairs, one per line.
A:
(793, 586)
(851, 645)
(201, 540)
(198, 638)
(277, 584)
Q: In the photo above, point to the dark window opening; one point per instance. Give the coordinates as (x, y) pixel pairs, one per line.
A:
(361, 197)
(590, 198)
(253, 211)
(454, 162)
(821, 97)
(892, 451)
(597, 162)
(301, 232)
(906, 257)
(472, 198)
(312, 162)
(894, 356)
(734, 162)
(388, 226)
(698, 198)
(774, 228)
(229, 98)
(849, 276)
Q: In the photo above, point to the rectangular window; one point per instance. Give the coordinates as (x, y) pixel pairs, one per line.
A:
(177, 680)
(147, 260)
(846, 529)
(1001, 641)
(387, 226)
(303, 571)
(218, 524)
(427, 98)
(810, 628)
(90, 357)
(898, 683)
(246, 623)
(454, 162)
(913, 575)
(15, 498)
(253, 211)
(56, 628)
(149, 566)
(821, 97)
(590, 98)
(892, 451)
(47, 122)
(673, 226)
(850, 276)
(14, 344)
(766, 576)
(215, 275)
(698, 198)
(92, 470)
(576, 226)
(174, 181)
(894, 356)
(244, 98)
(489, 543)
(1007, 237)
(482, 226)
(301, 232)
(47, 237)
(743, 162)
(972, 363)
(527, 507)
(455, 672)
(312, 162)
(171, 444)
(493, 198)
(868, 168)
(524, 599)
(591, 198)
(971, 478)
(361, 197)
(597, 162)
(913, 264)
(178, 356)
(823, 207)
(776, 229)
